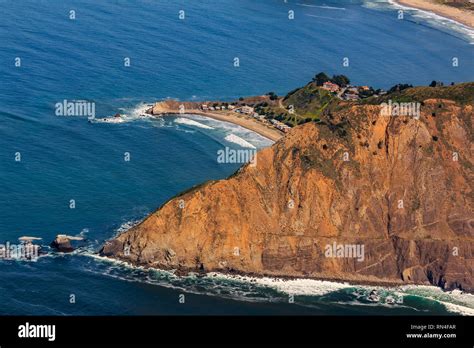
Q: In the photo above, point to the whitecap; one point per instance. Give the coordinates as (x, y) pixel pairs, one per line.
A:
(231, 128)
(232, 138)
(459, 309)
(454, 301)
(307, 287)
(107, 120)
(189, 122)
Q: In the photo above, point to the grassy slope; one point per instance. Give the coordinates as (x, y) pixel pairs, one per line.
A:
(311, 103)
(462, 93)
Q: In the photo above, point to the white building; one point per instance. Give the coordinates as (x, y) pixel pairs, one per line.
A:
(247, 110)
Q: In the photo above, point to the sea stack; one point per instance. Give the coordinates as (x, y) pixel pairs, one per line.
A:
(62, 243)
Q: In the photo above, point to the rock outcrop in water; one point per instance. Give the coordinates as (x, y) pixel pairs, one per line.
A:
(62, 243)
(397, 189)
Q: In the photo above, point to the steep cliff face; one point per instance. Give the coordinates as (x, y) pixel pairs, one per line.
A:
(397, 188)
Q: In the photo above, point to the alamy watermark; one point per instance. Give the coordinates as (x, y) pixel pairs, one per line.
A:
(354, 251)
(80, 108)
(28, 330)
(411, 109)
(228, 155)
(24, 251)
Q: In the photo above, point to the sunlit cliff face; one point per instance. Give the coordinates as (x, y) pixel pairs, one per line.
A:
(397, 188)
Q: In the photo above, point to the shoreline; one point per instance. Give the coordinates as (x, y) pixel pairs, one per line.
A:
(170, 109)
(373, 284)
(351, 278)
(246, 123)
(460, 16)
(184, 272)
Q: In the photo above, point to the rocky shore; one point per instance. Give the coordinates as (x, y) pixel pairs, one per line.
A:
(396, 193)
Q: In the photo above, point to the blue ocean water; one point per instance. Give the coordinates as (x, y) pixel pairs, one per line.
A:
(64, 158)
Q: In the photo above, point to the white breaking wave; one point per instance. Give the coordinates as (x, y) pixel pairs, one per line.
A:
(108, 120)
(124, 227)
(308, 287)
(239, 141)
(231, 128)
(139, 111)
(455, 301)
(193, 123)
(455, 308)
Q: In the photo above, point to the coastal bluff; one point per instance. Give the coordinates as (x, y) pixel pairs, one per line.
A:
(400, 187)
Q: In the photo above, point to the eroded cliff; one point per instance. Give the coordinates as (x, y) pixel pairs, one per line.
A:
(400, 187)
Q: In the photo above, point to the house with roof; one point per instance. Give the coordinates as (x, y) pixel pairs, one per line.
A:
(331, 87)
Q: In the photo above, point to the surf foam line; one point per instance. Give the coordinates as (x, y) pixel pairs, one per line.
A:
(231, 128)
(297, 287)
(167, 279)
(233, 133)
(189, 122)
(462, 304)
(454, 301)
(439, 20)
(235, 287)
(139, 111)
(307, 287)
(232, 138)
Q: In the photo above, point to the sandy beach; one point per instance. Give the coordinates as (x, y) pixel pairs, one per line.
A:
(465, 17)
(172, 108)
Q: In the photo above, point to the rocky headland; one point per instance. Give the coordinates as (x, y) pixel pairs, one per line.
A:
(400, 188)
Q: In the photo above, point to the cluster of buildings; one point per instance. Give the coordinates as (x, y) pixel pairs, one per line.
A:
(246, 110)
(331, 87)
(280, 125)
(350, 92)
(353, 92)
(205, 107)
(251, 112)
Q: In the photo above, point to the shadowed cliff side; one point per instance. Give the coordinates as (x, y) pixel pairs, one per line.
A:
(398, 186)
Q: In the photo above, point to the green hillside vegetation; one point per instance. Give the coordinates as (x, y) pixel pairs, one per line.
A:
(311, 103)
(308, 103)
(462, 93)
